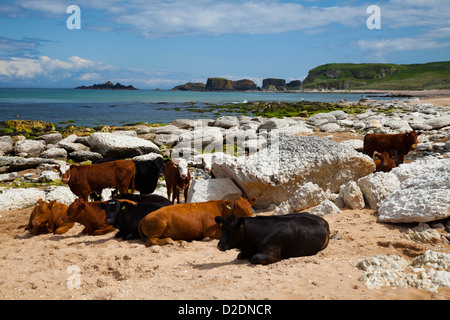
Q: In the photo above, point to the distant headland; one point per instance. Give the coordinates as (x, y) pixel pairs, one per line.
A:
(343, 76)
(108, 86)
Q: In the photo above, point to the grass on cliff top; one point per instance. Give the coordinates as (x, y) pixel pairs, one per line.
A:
(433, 75)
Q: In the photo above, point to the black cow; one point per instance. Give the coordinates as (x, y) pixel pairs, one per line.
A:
(143, 198)
(147, 173)
(268, 239)
(125, 215)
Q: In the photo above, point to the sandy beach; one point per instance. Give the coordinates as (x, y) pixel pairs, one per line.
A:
(44, 266)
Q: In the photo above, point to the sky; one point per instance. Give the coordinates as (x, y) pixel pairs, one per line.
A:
(160, 44)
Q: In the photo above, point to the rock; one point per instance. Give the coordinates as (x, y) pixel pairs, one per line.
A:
(419, 199)
(49, 176)
(6, 144)
(54, 153)
(325, 208)
(213, 189)
(355, 144)
(274, 174)
(308, 195)
(418, 167)
(84, 155)
(51, 138)
(208, 138)
(352, 195)
(19, 198)
(331, 127)
(19, 164)
(378, 186)
(438, 122)
(8, 177)
(111, 145)
(28, 148)
(226, 122)
(320, 119)
(273, 124)
(60, 194)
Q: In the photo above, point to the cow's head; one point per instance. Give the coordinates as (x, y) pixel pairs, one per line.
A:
(41, 213)
(64, 172)
(75, 210)
(412, 137)
(232, 232)
(182, 166)
(112, 208)
(240, 207)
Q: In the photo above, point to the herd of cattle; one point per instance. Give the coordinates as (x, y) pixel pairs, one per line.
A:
(158, 221)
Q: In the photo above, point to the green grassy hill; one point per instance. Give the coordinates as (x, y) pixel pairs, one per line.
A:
(381, 76)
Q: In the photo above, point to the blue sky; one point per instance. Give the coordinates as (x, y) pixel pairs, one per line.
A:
(161, 44)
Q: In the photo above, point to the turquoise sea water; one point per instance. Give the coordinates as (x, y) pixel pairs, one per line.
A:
(95, 107)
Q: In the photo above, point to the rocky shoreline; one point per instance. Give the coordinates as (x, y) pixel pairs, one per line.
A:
(290, 164)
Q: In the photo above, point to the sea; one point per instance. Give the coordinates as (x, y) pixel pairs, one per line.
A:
(91, 108)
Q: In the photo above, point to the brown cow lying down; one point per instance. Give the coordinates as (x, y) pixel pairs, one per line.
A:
(84, 179)
(401, 143)
(46, 217)
(91, 215)
(190, 221)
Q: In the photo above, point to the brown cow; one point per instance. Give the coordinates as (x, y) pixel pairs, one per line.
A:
(401, 143)
(46, 217)
(91, 215)
(84, 179)
(190, 221)
(384, 161)
(178, 178)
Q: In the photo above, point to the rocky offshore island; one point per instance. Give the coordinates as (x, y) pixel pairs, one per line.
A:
(108, 86)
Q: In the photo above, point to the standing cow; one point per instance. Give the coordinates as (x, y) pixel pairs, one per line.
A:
(178, 178)
(400, 143)
(267, 239)
(84, 179)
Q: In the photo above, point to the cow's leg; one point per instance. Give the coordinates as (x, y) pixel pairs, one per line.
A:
(157, 242)
(64, 228)
(169, 191)
(213, 232)
(176, 195)
(103, 230)
(264, 258)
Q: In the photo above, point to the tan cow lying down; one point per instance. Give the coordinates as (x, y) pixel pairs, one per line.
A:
(190, 221)
(46, 217)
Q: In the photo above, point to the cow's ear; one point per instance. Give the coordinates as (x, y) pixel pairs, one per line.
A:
(229, 204)
(252, 201)
(219, 220)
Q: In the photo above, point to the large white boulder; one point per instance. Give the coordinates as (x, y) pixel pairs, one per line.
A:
(274, 174)
(420, 199)
(378, 186)
(19, 198)
(113, 145)
(213, 189)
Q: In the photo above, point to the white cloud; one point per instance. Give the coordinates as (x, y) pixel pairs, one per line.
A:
(31, 68)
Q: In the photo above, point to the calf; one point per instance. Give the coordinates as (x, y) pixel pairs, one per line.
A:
(385, 163)
(91, 215)
(84, 179)
(178, 178)
(125, 215)
(268, 239)
(401, 143)
(190, 221)
(47, 217)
